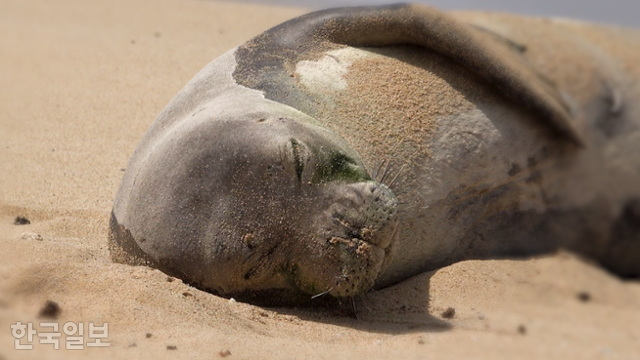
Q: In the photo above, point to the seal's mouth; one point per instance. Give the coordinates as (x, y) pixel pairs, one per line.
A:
(367, 261)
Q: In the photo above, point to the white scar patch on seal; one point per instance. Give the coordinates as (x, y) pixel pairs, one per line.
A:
(327, 74)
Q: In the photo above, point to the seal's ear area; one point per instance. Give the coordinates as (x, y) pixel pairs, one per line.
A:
(403, 24)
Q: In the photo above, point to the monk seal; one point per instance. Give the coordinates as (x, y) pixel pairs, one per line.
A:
(352, 148)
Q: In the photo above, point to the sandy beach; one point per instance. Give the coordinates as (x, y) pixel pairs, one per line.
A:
(83, 80)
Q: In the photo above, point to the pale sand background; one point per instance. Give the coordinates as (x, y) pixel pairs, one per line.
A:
(82, 80)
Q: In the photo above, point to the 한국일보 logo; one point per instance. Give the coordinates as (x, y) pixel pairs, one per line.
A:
(51, 333)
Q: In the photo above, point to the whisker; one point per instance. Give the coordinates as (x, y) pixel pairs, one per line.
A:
(322, 293)
(363, 299)
(386, 171)
(354, 308)
(396, 177)
(378, 169)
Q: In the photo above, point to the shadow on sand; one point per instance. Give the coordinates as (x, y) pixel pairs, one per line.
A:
(398, 309)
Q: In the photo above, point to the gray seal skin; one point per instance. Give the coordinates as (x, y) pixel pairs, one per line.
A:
(352, 148)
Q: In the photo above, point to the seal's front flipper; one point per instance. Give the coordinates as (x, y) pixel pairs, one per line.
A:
(487, 57)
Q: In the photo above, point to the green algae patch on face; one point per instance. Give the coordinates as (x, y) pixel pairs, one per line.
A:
(336, 166)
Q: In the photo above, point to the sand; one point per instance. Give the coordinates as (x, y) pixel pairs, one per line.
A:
(81, 82)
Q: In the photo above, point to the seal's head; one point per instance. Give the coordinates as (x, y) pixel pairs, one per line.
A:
(274, 205)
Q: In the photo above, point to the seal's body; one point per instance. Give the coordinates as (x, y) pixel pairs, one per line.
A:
(356, 147)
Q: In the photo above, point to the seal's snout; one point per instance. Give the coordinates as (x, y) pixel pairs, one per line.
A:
(362, 234)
